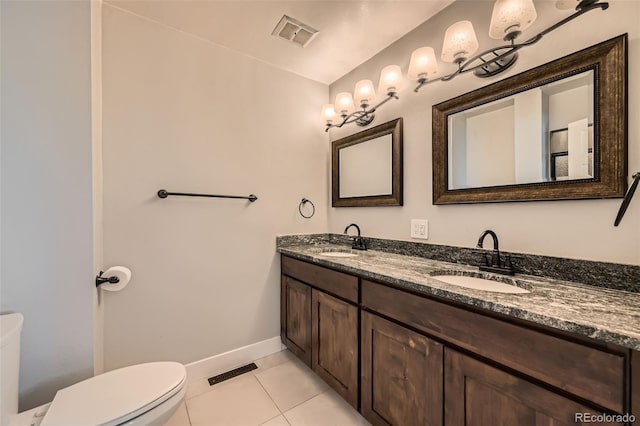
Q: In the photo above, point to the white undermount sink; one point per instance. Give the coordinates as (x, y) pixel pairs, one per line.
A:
(480, 284)
(338, 253)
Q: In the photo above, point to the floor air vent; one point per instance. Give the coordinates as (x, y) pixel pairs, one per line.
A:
(295, 31)
(231, 374)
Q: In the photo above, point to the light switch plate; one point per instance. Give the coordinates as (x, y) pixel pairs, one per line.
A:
(420, 228)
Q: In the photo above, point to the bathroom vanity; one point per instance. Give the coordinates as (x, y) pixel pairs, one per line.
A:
(406, 349)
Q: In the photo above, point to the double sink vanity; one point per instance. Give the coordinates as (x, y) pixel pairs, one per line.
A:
(409, 340)
(418, 334)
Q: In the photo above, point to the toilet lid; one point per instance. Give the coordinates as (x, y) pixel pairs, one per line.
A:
(117, 396)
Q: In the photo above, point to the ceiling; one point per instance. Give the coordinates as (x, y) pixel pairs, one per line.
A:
(350, 31)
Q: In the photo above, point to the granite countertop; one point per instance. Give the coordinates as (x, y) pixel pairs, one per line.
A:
(599, 313)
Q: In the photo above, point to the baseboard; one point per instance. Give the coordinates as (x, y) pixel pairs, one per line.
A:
(234, 358)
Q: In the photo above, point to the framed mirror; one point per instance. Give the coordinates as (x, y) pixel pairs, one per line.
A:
(366, 168)
(558, 131)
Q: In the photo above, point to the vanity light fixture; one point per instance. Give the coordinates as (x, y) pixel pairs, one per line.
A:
(344, 112)
(508, 20)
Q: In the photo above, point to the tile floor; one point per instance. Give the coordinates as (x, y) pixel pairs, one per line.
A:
(281, 392)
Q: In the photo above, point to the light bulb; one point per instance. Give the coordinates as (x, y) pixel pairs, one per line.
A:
(364, 93)
(423, 64)
(344, 103)
(390, 79)
(329, 113)
(460, 42)
(510, 18)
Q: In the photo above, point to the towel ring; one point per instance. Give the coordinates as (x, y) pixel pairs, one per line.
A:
(302, 203)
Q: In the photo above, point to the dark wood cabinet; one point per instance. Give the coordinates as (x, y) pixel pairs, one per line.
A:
(334, 344)
(594, 374)
(319, 323)
(401, 375)
(339, 284)
(405, 359)
(295, 317)
(479, 395)
(635, 384)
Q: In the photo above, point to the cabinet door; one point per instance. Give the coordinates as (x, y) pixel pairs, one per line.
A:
(295, 317)
(335, 344)
(477, 394)
(401, 375)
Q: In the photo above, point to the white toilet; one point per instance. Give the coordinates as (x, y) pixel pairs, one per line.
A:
(143, 394)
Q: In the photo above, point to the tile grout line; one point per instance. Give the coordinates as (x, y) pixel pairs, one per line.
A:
(198, 394)
(273, 418)
(300, 403)
(243, 376)
(255, 375)
(306, 400)
(253, 372)
(187, 410)
(269, 395)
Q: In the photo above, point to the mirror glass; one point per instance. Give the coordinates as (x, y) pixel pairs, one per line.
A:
(366, 168)
(542, 134)
(555, 132)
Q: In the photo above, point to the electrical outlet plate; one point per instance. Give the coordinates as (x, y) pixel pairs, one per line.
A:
(420, 228)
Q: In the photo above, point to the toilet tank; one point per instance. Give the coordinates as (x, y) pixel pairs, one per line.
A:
(10, 330)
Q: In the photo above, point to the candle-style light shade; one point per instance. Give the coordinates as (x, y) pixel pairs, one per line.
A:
(390, 79)
(364, 93)
(328, 113)
(460, 42)
(344, 102)
(510, 17)
(423, 64)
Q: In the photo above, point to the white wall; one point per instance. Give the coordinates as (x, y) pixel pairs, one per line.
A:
(365, 168)
(457, 160)
(186, 115)
(529, 152)
(490, 148)
(576, 229)
(96, 147)
(46, 215)
(570, 105)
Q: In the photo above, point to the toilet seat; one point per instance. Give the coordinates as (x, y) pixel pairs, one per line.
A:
(116, 397)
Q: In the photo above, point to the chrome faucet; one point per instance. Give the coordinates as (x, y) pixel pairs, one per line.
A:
(492, 263)
(359, 243)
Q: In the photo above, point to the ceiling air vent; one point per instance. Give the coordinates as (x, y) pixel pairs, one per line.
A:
(295, 31)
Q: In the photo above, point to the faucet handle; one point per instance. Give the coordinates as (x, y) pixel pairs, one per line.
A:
(359, 243)
(486, 256)
(508, 263)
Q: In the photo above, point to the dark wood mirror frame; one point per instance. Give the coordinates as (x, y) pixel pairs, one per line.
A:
(608, 60)
(394, 128)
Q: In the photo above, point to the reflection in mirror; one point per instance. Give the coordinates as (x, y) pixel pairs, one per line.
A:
(366, 168)
(555, 132)
(542, 134)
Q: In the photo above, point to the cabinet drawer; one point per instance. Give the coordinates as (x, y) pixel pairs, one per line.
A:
(473, 386)
(337, 283)
(589, 373)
